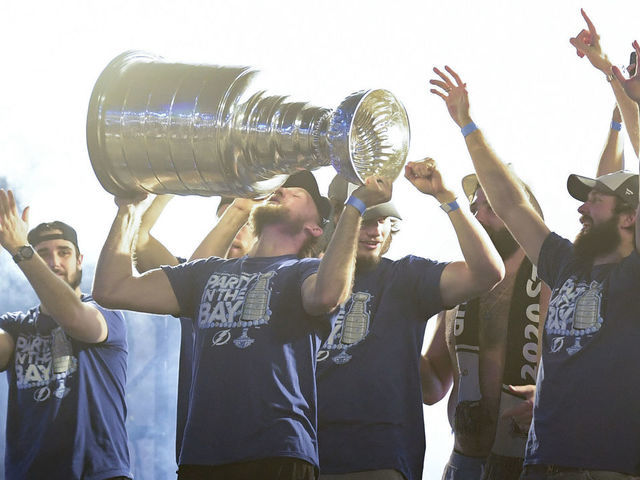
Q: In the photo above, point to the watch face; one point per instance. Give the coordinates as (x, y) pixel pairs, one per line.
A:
(26, 252)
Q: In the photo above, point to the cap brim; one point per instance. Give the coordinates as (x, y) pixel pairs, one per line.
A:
(387, 209)
(470, 185)
(579, 186)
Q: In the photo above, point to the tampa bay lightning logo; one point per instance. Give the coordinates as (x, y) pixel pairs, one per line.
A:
(557, 345)
(322, 355)
(221, 337)
(42, 394)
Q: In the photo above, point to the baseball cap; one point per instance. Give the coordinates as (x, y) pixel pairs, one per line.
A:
(622, 184)
(340, 189)
(305, 179)
(470, 185)
(52, 231)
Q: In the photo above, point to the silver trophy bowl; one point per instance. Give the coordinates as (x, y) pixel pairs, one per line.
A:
(161, 127)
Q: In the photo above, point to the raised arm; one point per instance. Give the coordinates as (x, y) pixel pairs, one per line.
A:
(505, 194)
(587, 43)
(483, 267)
(115, 286)
(150, 253)
(612, 158)
(78, 319)
(631, 85)
(436, 370)
(219, 239)
(331, 285)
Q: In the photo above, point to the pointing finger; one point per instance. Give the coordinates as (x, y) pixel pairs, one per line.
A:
(590, 24)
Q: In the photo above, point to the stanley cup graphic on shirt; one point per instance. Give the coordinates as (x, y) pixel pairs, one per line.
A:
(256, 303)
(62, 359)
(587, 308)
(255, 310)
(586, 316)
(61, 351)
(356, 322)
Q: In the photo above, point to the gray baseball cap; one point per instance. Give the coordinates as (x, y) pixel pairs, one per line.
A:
(622, 184)
(470, 184)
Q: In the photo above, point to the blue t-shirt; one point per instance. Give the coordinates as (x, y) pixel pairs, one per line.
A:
(369, 392)
(253, 391)
(185, 366)
(587, 409)
(66, 408)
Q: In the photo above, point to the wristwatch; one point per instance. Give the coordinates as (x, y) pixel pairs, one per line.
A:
(24, 253)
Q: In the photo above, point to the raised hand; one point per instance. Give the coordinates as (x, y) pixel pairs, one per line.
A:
(376, 190)
(587, 43)
(631, 85)
(245, 204)
(454, 93)
(13, 227)
(136, 204)
(425, 176)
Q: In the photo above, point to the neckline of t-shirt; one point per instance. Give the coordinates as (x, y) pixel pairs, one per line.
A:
(288, 256)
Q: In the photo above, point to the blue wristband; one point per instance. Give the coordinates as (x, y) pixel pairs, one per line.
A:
(357, 203)
(616, 125)
(450, 207)
(468, 128)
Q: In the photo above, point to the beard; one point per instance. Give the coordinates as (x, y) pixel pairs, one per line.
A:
(75, 279)
(269, 214)
(504, 242)
(369, 262)
(598, 240)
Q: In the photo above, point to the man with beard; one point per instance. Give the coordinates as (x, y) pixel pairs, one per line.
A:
(488, 348)
(583, 426)
(221, 242)
(66, 362)
(259, 321)
(491, 344)
(370, 405)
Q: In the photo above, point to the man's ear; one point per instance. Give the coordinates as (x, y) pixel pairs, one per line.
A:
(79, 260)
(627, 219)
(313, 229)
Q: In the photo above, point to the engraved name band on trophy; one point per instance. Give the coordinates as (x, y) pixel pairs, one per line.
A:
(185, 129)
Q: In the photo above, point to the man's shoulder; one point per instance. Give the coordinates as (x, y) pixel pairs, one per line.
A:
(86, 298)
(410, 261)
(20, 317)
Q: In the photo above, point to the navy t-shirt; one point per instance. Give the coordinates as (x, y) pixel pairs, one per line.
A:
(369, 392)
(66, 408)
(587, 409)
(253, 387)
(185, 366)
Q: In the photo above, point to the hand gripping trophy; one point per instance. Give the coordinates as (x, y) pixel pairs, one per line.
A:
(162, 127)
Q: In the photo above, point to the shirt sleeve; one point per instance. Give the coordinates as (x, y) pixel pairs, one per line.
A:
(9, 323)
(308, 266)
(185, 281)
(117, 335)
(424, 283)
(554, 255)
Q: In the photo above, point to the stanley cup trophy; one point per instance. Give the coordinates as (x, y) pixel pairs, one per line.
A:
(162, 127)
